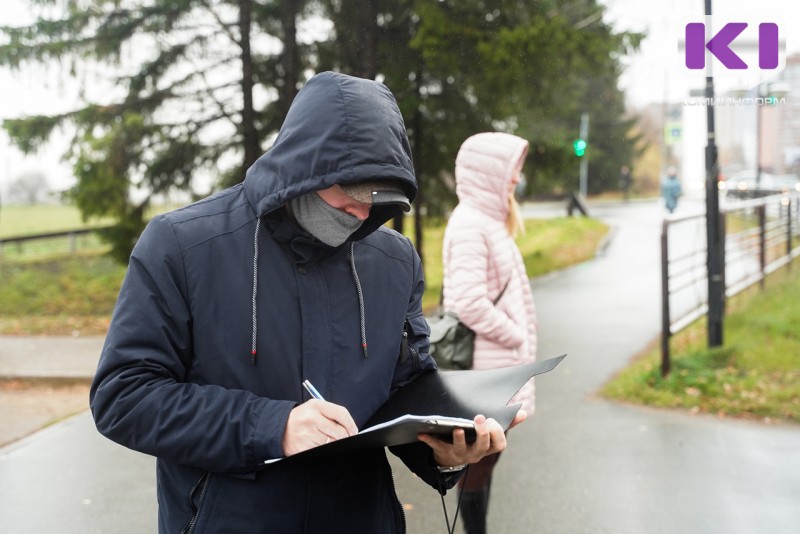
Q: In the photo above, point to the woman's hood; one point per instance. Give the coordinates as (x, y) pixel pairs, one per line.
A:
(485, 166)
(339, 130)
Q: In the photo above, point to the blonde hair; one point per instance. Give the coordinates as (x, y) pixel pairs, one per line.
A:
(514, 223)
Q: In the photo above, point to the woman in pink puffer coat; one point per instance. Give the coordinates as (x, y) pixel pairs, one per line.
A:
(480, 259)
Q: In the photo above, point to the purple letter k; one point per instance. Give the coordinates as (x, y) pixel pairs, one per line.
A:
(718, 45)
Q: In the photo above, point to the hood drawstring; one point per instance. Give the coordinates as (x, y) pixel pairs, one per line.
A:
(360, 299)
(255, 292)
(253, 352)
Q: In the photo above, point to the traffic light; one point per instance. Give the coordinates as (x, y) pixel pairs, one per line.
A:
(580, 147)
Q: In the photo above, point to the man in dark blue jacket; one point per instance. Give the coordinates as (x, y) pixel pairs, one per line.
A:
(229, 304)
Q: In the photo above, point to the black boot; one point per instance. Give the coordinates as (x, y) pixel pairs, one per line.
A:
(474, 506)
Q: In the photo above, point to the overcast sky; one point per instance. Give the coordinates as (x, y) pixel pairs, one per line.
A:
(652, 75)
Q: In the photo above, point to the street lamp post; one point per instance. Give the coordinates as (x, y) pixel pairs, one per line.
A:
(715, 259)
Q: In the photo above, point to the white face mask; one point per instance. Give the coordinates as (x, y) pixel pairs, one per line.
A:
(323, 221)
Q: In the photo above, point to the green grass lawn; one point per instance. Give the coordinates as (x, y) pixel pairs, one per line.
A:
(64, 295)
(755, 374)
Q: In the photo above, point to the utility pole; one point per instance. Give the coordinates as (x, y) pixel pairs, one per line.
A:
(715, 260)
(584, 172)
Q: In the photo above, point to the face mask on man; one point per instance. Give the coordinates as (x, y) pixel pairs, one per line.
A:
(323, 221)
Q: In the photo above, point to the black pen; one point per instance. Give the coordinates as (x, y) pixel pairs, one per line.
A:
(312, 390)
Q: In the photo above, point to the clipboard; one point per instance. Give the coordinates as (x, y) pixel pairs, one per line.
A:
(456, 396)
(436, 425)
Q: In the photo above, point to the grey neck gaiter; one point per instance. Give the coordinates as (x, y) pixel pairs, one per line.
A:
(323, 221)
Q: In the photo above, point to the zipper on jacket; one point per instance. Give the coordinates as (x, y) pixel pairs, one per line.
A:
(406, 350)
(414, 358)
(399, 504)
(201, 486)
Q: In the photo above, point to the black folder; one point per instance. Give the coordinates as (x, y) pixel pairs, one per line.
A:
(438, 402)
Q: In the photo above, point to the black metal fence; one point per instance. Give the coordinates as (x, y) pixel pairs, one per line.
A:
(761, 236)
(54, 243)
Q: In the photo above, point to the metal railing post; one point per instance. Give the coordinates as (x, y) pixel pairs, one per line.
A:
(723, 232)
(761, 210)
(665, 312)
(789, 232)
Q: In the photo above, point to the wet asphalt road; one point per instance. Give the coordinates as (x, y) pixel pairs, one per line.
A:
(580, 465)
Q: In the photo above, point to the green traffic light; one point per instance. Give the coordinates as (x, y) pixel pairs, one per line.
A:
(580, 147)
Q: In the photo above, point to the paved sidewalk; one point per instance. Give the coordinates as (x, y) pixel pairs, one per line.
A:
(43, 379)
(52, 357)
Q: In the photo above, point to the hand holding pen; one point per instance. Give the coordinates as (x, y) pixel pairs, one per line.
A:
(316, 422)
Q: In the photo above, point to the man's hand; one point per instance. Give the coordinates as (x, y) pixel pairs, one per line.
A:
(489, 439)
(315, 423)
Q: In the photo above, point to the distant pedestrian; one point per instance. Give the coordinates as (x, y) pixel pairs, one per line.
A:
(671, 189)
(625, 181)
(485, 282)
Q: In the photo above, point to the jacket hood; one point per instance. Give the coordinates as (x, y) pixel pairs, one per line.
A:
(485, 166)
(339, 130)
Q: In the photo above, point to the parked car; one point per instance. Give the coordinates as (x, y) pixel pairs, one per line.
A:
(784, 183)
(743, 185)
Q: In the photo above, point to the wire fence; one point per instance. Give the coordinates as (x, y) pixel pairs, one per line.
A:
(761, 236)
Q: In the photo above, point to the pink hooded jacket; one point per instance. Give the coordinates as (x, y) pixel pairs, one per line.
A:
(480, 257)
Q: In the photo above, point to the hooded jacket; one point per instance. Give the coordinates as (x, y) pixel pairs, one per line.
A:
(227, 306)
(480, 258)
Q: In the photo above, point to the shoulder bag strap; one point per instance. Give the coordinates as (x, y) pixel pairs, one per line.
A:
(501, 293)
(495, 301)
